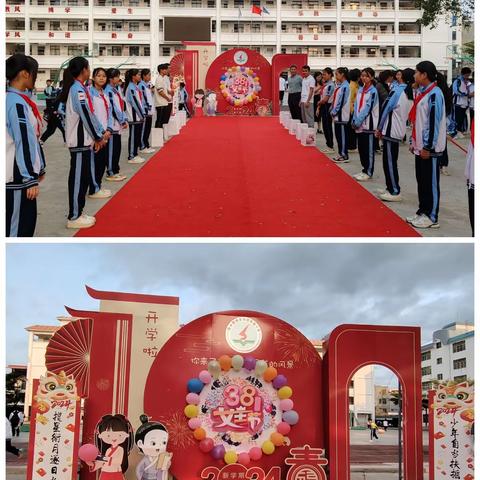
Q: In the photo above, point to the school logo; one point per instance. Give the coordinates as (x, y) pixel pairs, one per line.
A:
(243, 334)
(240, 57)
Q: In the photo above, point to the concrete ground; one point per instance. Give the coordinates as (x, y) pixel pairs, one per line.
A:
(53, 199)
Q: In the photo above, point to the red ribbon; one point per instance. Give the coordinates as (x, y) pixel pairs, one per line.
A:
(335, 95)
(362, 96)
(412, 116)
(120, 99)
(89, 98)
(35, 111)
(102, 96)
(139, 93)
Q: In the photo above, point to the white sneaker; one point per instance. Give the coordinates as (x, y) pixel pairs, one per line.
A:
(115, 178)
(424, 222)
(102, 193)
(444, 171)
(83, 221)
(327, 150)
(341, 160)
(412, 218)
(136, 159)
(147, 150)
(89, 217)
(459, 135)
(362, 177)
(388, 197)
(379, 191)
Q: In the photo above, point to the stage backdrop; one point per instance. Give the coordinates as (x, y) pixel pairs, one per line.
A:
(242, 80)
(229, 333)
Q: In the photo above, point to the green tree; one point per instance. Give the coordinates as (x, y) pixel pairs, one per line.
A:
(434, 10)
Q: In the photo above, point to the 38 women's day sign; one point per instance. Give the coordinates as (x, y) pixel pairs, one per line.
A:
(54, 429)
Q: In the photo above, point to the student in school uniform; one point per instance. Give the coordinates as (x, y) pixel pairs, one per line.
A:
(135, 114)
(85, 136)
(429, 138)
(471, 100)
(323, 108)
(354, 78)
(364, 121)
(102, 109)
(147, 98)
(119, 123)
(460, 87)
(392, 128)
(25, 162)
(340, 113)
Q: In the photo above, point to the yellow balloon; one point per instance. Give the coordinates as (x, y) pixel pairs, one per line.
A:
(230, 457)
(285, 392)
(191, 411)
(268, 447)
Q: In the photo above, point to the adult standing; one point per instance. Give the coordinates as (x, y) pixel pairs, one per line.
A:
(294, 93)
(281, 88)
(49, 93)
(16, 421)
(163, 97)
(324, 106)
(461, 97)
(306, 97)
(340, 113)
(147, 99)
(8, 440)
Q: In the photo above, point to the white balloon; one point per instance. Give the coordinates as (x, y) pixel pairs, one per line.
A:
(214, 369)
(260, 367)
(237, 362)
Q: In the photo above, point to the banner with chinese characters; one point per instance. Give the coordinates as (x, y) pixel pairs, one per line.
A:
(451, 422)
(54, 429)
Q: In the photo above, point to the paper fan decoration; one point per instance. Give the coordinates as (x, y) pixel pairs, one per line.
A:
(69, 350)
(177, 65)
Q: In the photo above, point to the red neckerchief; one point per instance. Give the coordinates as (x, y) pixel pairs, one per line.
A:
(412, 116)
(87, 93)
(35, 111)
(363, 95)
(335, 94)
(139, 93)
(110, 455)
(120, 99)
(102, 96)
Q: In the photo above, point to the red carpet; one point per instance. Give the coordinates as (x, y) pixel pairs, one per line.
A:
(243, 177)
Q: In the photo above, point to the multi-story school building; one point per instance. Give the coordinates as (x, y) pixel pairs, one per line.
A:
(353, 33)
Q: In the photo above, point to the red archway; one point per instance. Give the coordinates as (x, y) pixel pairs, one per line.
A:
(350, 347)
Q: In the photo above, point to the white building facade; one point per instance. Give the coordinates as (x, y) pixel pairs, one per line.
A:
(450, 356)
(129, 33)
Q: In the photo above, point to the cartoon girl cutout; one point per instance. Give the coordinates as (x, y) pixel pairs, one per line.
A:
(198, 102)
(114, 439)
(151, 439)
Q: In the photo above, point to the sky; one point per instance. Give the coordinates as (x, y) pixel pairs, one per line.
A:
(315, 287)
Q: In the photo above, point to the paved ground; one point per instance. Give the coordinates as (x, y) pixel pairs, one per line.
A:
(53, 200)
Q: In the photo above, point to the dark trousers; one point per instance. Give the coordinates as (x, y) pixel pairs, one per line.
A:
(294, 105)
(366, 150)
(352, 136)
(52, 125)
(147, 128)
(317, 118)
(281, 94)
(10, 448)
(184, 106)
(114, 149)
(460, 118)
(163, 115)
(327, 124)
(390, 166)
(21, 214)
(134, 139)
(78, 181)
(15, 430)
(471, 209)
(97, 170)
(443, 159)
(472, 116)
(427, 172)
(341, 136)
(373, 433)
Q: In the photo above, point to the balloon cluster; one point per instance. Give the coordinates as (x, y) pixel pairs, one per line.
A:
(228, 83)
(277, 439)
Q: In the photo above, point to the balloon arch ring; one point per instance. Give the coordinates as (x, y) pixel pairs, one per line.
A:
(240, 409)
(240, 86)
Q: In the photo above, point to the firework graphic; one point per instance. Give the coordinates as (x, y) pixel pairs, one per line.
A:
(178, 432)
(295, 347)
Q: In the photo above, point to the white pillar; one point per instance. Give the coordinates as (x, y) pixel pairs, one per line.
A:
(218, 33)
(396, 31)
(155, 35)
(29, 385)
(91, 27)
(279, 26)
(27, 27)
(339, 33)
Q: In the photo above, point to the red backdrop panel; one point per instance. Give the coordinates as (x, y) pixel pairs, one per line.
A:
(351, 347)
(182, 358)
(223, 62)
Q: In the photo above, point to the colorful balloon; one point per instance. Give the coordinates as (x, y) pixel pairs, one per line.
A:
(286, 404)
(260, 367)
(195, 385)
(268, 447)
(194, 423)
(199, 433)
(205, 377)
(284, 428)
(255, 453)
(269, 374)
(277, 439)
(225, 362)
(230, 457)
(249, 363)
(214, 369)
(193, 398)
(217, 452)
(244, 458)
(280, 381)
(191, 411)
(206, 445)
(285, 392)
(291, 417)
(237, 362)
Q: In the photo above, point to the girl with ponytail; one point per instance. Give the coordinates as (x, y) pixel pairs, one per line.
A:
(135, 114)
(25, 163)
(85, 136)
(340, 112)
(429, 139)
(146, 90)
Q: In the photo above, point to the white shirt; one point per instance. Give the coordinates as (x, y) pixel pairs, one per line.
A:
(283, 84)
(161, 83)
(307, 84)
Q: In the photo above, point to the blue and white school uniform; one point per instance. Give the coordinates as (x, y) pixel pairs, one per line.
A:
(340, 113)
(25, 164)
(327, 92)
(365, 121)
(147, 99)
(135, 116)
(471, 103)
(103, 112)
(82, 129)
(119, 118)
(393, 126)
(461, 102)
(430, 134)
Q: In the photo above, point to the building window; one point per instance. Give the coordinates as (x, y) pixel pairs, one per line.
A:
(459, 363)
(454, 35)
(146, 51)
(41, 26)
(116, 51)
(41, 50)
(440, 376)
(438, 345)
(54, 50)
(426, 385)
(134, 26)
(165, 51)
(460, 378)
(351, 400)
(426, 356)
(459, 346)
(426, 371)
(439, 361)
(134, 50)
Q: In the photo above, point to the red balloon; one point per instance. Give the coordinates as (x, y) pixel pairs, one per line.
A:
(206, 445)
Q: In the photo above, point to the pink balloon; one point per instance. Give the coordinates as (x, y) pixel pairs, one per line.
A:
(283, 428)
(193, 398)
(244, 459)
(204, 376)
(88, 452)
(255, 453)
(194, 423)
(286, 404)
